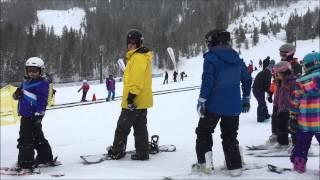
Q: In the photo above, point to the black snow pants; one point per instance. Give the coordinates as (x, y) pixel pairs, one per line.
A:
(138, 120)
(229, 126)
(31, 138)
(262, 111)
(282, 128)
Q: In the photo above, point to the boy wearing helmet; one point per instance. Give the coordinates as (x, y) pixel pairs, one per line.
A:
(136, 99)
(305, 110)
(32, 98)
(220, 98)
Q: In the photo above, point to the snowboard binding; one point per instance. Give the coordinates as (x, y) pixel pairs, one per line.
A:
(154, 144)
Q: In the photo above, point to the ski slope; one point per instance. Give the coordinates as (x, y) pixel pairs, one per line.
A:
(90, 129)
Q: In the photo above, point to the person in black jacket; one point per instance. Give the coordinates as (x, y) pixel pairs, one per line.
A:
(260, 86)
(265, 62)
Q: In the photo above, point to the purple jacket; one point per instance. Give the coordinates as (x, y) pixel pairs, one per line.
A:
(284, 94)
(35, 97)
(111, 84)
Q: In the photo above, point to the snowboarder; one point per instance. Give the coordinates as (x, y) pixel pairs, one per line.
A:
(285, 84)
(136, 99)
(175, 74)
(287, 52)
(32, 98)
(111, 87)
(220, 99)
(305, 110)
(85, 88)
(166, 77)
(261, 86)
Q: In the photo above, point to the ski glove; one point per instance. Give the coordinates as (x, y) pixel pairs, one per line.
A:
(131, 105)
(269, 98)
(38, 117)
(201, 107)
(293, 122)
(245, 104)
(17, 94)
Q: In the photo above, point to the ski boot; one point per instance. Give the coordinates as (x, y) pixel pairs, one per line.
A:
(140, 156)
(206, 167)
(54, 162)
(153, 145)
(115, 154)
(299, 164)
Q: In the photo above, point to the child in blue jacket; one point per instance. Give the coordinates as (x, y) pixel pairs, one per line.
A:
(32, 98)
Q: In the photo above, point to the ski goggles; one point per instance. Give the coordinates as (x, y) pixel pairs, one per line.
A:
(32, 69)
(285, 53)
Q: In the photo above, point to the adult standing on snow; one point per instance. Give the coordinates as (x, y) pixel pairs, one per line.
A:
(287, 52)
(136, 98)
(111, 87)
(261, 85)
(219, 98)
(265, 62)
(166, 77)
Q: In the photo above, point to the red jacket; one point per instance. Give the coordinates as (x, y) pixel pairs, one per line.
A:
(85, 87)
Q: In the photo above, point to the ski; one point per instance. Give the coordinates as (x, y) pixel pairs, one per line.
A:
(15, 172)
(282, 154)
(98, 158)
(278, 170)
(255, 148)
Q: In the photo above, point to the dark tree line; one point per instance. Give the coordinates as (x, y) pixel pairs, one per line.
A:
(180, 24)
(303, 27)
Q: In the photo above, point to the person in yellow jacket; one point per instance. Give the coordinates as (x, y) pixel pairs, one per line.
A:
(136, 99)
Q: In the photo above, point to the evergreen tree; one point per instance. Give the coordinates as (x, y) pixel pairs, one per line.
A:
(255, 37)
(264, 28)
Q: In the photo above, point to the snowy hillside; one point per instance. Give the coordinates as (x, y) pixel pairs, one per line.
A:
(280, 14)
(71, 18)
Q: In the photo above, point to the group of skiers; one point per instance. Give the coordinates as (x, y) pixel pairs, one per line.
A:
(296, 102)
(174, 75)
(295, 105)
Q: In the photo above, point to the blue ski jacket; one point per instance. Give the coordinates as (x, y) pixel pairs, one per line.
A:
(35, 97)
(223, 70)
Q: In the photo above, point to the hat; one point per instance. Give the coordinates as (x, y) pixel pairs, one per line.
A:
(311, 61)
(281, 67)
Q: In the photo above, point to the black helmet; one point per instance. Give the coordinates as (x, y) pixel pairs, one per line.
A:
(216, 37)
(134, 36)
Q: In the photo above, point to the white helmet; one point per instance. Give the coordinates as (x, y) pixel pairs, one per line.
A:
(84, 81)
(35, 62)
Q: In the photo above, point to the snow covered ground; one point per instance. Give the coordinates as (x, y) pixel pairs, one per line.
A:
(89, 129)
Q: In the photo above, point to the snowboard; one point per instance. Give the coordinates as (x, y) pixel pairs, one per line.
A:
(277, 169)
(98, 158)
